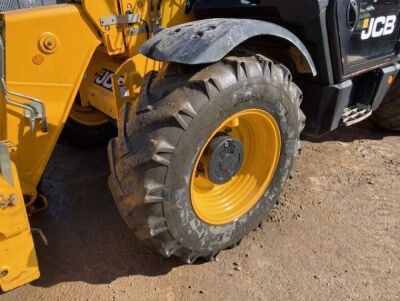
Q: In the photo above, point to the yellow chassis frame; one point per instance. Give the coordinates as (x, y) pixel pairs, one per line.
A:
(49, 52)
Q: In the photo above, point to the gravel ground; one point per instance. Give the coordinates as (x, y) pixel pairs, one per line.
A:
(335, 234)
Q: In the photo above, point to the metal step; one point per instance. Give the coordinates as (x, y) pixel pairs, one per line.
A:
(355, 114)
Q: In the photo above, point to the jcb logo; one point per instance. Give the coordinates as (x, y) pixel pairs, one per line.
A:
(378, 27)
(104, 79)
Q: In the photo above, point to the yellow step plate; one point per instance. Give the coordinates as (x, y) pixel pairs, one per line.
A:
(18, 263)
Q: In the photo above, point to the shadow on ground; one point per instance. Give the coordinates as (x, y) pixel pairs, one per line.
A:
(88, 241)
(363, 130)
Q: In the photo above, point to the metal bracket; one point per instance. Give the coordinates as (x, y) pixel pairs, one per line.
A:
(8, 201)
(136, 31)
(120, 19)
(33, 110)
(7, 174)
(37, 107)
(5, 164)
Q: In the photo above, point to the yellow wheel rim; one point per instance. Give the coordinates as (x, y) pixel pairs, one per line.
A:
(259, 134)
(87, 115)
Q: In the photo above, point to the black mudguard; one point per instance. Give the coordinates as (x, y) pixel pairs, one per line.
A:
(209, 40)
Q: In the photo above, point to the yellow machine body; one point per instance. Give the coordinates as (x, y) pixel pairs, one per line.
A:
(18, 263)
(53, 54)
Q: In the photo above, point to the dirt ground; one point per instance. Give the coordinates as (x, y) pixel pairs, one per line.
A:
(335, 234)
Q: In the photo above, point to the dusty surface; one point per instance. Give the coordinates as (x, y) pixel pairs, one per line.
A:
(334, 236)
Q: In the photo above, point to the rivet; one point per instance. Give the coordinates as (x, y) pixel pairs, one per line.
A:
(38, 59)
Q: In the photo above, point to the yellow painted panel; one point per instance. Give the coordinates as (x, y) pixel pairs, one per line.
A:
(132, 71)
(113, 36)
(172, 13)
(18, 263)
(55, 78)
(100, 95)
(96, 88)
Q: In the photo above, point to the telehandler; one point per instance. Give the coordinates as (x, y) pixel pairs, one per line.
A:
(208, 97)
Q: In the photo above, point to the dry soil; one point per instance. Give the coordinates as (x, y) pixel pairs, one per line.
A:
(335, 234)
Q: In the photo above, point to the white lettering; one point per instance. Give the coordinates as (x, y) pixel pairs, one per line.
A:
(379, 21)
(108, 82)
(102, 77)
(390, 25)
(366, 34)
(379, 27)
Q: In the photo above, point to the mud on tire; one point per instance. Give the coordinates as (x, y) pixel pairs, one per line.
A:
(153, 156)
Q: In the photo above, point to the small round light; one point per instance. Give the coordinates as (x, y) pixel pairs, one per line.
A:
(390, 79)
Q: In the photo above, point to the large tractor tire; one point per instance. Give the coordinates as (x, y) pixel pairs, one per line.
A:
(87, 127)
(387, 115)
(206, 154)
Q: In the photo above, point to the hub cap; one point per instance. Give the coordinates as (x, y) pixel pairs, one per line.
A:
(235, 167)
(225, 159)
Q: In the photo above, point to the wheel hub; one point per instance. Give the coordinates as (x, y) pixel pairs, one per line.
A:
(225, 159)
(244, 164)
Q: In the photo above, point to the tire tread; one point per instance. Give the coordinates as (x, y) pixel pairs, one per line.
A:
(160, 126)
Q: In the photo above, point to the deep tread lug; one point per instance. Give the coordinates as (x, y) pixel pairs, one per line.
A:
(217, 84)
(153, 192)
(192, 258)
(188, 110)
(157, 225)
(161, 160)
(170, 248)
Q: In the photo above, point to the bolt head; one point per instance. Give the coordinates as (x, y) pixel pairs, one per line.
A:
(49, 43)
(12, 200)
(3, 273)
